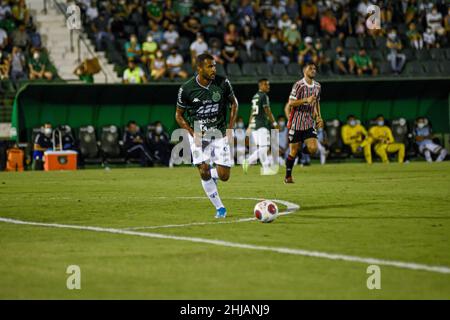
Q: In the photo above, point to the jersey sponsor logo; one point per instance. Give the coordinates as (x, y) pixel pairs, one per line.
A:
(208, 109)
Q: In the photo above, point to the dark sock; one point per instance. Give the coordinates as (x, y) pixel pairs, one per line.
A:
(289, 165)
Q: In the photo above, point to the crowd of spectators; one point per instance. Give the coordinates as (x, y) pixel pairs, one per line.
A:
(22, 56)
(328, 32)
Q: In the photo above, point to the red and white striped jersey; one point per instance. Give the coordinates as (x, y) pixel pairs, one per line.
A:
(301, 118)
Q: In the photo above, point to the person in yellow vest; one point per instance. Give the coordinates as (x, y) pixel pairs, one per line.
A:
(356, 137)
(133, 74)
(383, 139)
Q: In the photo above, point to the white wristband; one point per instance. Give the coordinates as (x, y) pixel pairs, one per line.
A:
(274, 124)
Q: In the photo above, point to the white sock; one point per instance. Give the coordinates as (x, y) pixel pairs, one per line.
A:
(428, 156)
(263, 157)
(211, 191)
(323, 154)
(214, 174)
(253, 158)
(442, 155)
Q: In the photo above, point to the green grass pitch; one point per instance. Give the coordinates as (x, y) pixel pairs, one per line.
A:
(392, 212)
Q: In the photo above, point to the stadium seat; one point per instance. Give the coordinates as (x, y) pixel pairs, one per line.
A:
(221, 70)
(249, 70)
(377, 55)
(142, 32)
(279, 70)
(414, 68)
(447, 53)
(311, 30)
(432, 68)
(385, 68)
(184, 44)
(437, 54)
(423, 55)
(109, 144)
(88, 145)
(368, 43)
(351, 43)
(233, 70)
(445, 67)
(335, 42)
(294, 69)
(333, 130)
(243, 55)
(188, 68)
(380, 43)
(129, 29)
(409, 53)
(263, 69)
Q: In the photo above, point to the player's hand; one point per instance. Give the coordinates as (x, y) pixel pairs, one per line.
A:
(319, 122)
(311, 99)
(197, 139)
(229, 135)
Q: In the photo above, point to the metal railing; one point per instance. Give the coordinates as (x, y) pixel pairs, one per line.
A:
(81, 37)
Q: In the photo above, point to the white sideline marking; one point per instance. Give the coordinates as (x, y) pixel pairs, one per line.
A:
(298, 252)
(290, 208)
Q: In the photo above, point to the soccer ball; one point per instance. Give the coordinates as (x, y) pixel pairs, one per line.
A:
(266, 211)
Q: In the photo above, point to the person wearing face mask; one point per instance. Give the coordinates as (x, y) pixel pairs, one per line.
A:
(356, 137)
(397, 59)
(381, 136)
(198, 47)
(158, 66)
(159, 144)
(133, 48)
(133, 142)
(149, 48)
(274, 51)
(42, 143)
(424, 140)
(36, 66)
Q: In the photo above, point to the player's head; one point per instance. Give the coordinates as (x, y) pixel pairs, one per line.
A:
(351, 120)
(380, 120)
(310, 70)
(264, 85)
(132, 126)
(206, 66)
(281, 121)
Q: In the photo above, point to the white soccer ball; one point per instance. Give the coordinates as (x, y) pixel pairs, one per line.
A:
(266, 211)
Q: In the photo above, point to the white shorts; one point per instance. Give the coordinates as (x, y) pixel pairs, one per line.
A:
(217, 151)
(261, 137)
(430, 145)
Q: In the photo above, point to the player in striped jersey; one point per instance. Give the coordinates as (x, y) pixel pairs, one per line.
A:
(303, 112)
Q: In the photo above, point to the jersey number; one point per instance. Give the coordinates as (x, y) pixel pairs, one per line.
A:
(255, 106)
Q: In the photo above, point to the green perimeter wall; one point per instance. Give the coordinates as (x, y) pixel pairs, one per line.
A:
(78, 104)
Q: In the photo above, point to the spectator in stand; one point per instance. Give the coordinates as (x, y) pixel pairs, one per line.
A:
(133, 74)
(447, 22)
(292, 40)
(171, 36)
(341, 62)
(149, 48)
(154, 11)
(284, 24)
(275, 52)
(362, 63)
(101, 30)
(18, 65)
(191, 27)
(216, 52)
(174, 63)
(20, 37)
(322, 59)
(328, 24)
(5, 10)
(5, 65)
(198, 47)
(3, 39)
(231, 33)
(267, 24)
(429, 38)
(91, 11)
(424, 140)
(230, 53)
(20, 12)
(133, 48)
(278, 10)
(415, 38)
(219, 11)
(396, 58)
(209, 24)
(158, 66)
(362, 8)
(434, 21)
(156, 32)
(292, 10)
(309, 14)
(37, 67)
(307, 53)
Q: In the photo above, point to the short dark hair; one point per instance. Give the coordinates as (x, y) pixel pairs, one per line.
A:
(202, 57)
(262, 80)
(351, 116)
(131, 122)
(380, 116)
(310, 63)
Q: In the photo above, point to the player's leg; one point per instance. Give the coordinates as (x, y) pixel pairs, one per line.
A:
(367, 147)
(293, 150)
(380, 150)
(222, 159)
(426, 152)
(223, 173)
(322, 153)
(442, 154)
(210, 186)
(397, 147)
(312, 145)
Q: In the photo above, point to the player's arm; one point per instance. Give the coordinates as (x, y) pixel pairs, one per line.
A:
(181, 120)
(287, 110)
(318, 115)
(293, 103)
(234, 111)
(270, 116)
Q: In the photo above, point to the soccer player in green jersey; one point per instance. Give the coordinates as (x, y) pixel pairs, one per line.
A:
(261, 118)
(202, 108)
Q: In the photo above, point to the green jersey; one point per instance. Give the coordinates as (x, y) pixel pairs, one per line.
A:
(206, 106)
(259, 119)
